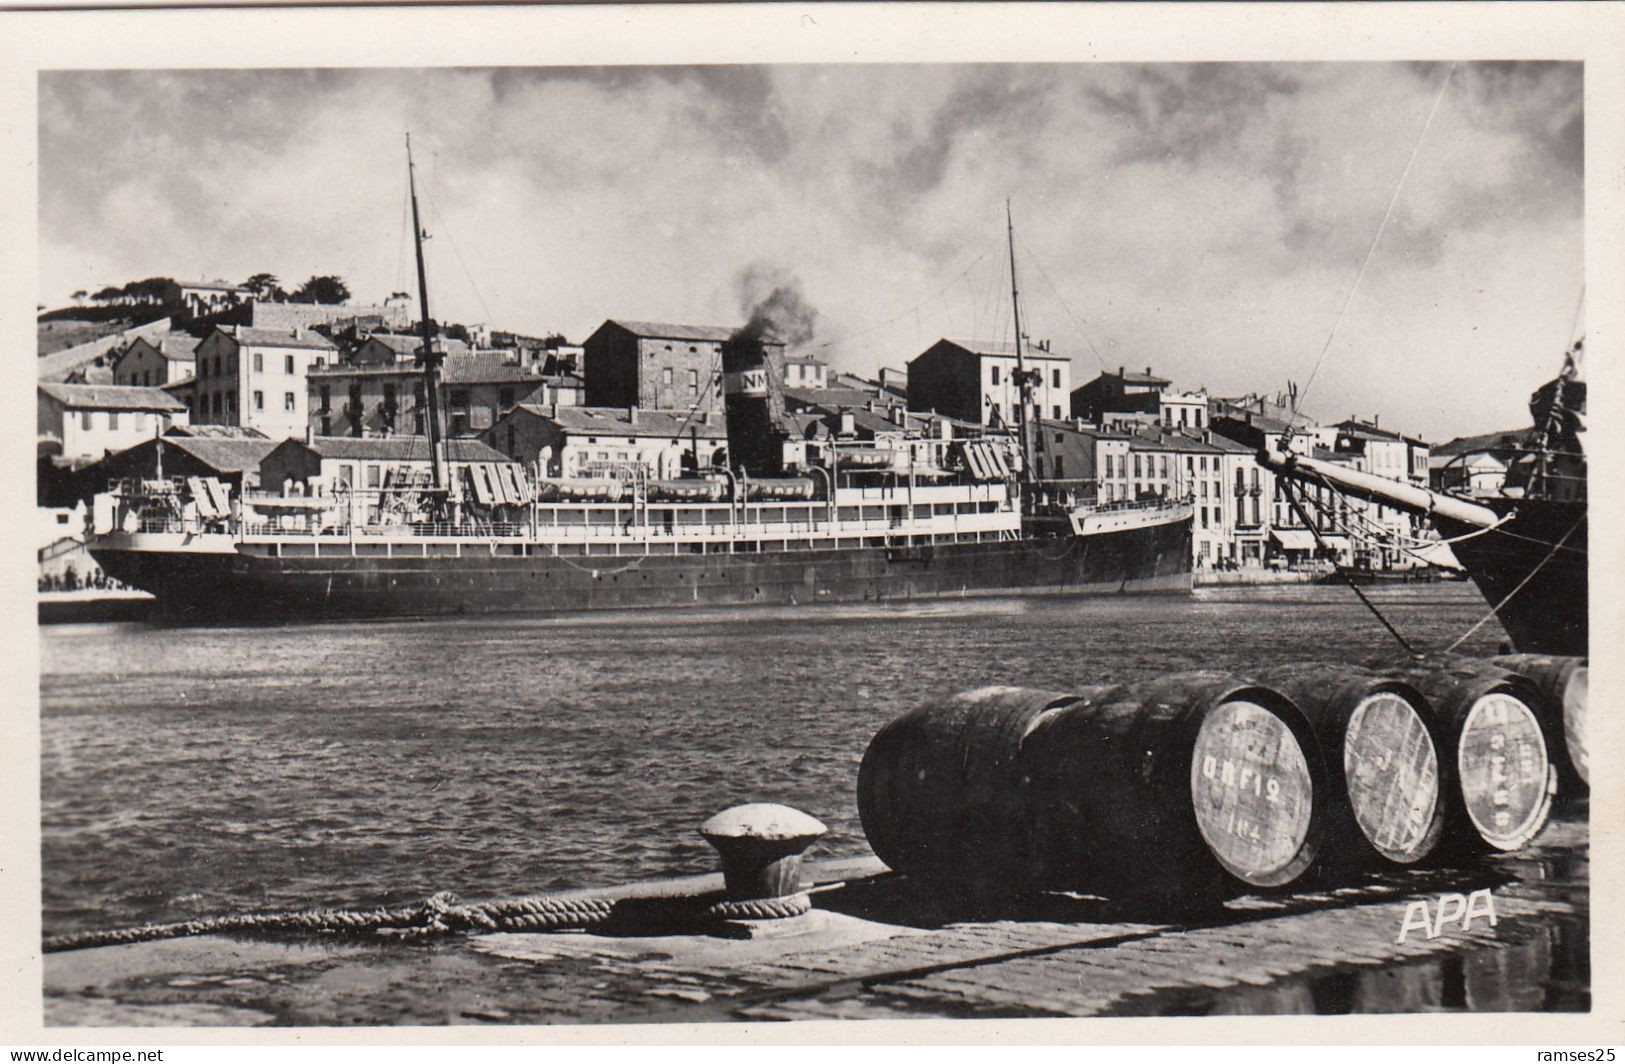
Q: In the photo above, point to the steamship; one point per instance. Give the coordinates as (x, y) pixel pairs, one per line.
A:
(788, 521)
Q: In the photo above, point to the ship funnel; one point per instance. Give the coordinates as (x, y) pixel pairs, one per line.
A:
(753, 403)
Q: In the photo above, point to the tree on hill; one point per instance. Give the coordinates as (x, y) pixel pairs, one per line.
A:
(326, 289)
(265, 286)
(79, 297)
(150, 290)
(110, 294)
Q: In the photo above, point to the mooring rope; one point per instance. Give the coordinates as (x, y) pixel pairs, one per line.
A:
(444, 913)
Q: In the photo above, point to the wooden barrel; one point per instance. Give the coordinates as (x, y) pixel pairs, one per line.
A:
(940, 790)
(1176, 788)
(1381, 759)
(1565, 683)
(1497, 779)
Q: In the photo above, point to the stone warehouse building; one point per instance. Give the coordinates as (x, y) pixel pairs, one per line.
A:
(658, 366)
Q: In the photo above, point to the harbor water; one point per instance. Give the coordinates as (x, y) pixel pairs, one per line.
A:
(197, 771)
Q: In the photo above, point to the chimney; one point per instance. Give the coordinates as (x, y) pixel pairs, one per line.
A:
(1376, 421)
(1122, 371)
(1148, 371)
(871, 405)
(310, 435)
(705, 417)
(632, 414)
(298, 332)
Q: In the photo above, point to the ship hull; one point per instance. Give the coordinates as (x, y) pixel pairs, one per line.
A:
(263, 584)
(1540, 587)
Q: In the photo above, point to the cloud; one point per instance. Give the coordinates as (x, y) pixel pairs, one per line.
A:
(1206, 218)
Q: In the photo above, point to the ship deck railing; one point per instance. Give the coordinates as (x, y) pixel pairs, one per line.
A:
(630, 531)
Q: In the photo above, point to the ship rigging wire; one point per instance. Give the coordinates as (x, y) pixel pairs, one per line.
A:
(1372, 250)
(1292, 491)
(1510, 595)
(903, 314)
(1062, 300)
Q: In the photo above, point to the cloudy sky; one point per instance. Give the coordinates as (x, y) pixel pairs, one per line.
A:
(1207, 220)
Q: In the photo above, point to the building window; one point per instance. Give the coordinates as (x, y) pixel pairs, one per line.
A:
(287, 401)
(505, 398)
(665, 375)
(259, 362)
(217, 365)
(287, 364)
(327, 426)
(1055, 378)
(1060, 466)
(374, 476)
(84, 420)
(1055, 412)
(327, 398)
(693, 382)
(993, 377)
(141, 423)
(112, 420)
(259, 400)
(231, 402)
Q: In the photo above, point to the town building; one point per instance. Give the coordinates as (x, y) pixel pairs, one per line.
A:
(805, 372)
(624, 442)
(1091, 458)
(256, 377)
(203, 298)
(972, 380)
(1476, 466)
(658, 366)
(1381, 536)
(1123, 393)
(155, 363)
(388, 397)
(83, 422)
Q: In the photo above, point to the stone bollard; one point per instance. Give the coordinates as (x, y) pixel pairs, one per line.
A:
(761, 846)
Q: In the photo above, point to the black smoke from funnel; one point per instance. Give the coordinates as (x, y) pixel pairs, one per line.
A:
(771, 299)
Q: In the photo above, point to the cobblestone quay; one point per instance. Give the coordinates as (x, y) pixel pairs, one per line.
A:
(874, 947)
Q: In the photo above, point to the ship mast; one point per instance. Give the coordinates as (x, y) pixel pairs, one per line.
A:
(1023, 379)
(428, 356)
